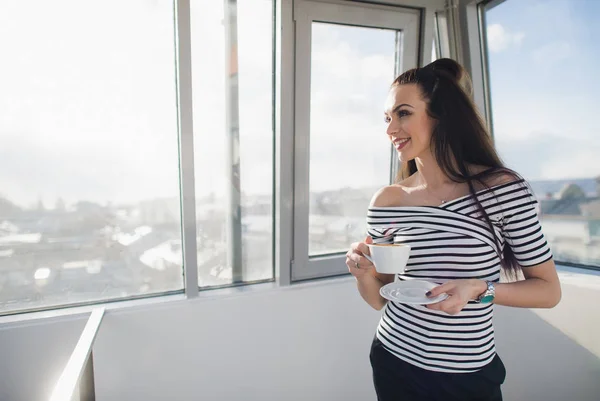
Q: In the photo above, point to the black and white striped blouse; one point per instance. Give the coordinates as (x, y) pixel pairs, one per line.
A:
(448, 242)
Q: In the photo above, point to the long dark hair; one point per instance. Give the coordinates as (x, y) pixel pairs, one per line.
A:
(460, 137)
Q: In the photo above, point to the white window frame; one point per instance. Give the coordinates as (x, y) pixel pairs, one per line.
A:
(285, 263)
(293, 248)
(467, 37)
(185, 118)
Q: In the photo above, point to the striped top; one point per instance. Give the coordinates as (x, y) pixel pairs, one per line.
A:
(453, 241)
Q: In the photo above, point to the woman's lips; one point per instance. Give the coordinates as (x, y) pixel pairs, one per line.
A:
(401, 143)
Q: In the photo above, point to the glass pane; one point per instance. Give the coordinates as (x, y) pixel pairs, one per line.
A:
(246, 81)
(351, 72)
(543, 60)
(89, 208)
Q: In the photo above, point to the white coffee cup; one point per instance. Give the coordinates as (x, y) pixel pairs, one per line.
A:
(389, 258)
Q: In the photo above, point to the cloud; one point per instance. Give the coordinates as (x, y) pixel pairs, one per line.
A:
(350, 81)
(547, 155)
(566, 113)
(499, 39)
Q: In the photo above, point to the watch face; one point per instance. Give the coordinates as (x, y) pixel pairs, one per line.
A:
(487, 299)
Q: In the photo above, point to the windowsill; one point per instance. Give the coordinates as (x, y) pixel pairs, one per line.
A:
(568, 275)
(168, 301)
(586, 278)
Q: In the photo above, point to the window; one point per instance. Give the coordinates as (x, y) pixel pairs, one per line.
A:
(89, 204)
(346, 59)
(543, 59)
(341, 187)
(233, 140)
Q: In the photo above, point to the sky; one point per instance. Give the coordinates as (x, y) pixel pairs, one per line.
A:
(350, 80)
(543, 58)
(88, 99)
(88, 102)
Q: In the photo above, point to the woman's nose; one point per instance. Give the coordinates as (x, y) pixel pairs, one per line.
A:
(392, 129)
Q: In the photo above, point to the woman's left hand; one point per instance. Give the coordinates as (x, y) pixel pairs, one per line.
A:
(460, 292)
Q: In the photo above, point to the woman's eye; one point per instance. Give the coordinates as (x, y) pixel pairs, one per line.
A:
(403, 113)
(400, 114)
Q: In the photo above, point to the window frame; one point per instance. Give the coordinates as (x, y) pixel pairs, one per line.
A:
(187, 189)
(305, 266)
(185, 128)
(480, 52)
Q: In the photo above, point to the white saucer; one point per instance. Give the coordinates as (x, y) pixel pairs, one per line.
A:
(410, 292)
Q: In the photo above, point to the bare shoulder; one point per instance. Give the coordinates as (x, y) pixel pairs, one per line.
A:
(502, 178)
(496, 177)
(392, 195)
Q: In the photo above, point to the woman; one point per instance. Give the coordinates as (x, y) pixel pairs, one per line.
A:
(467, 218)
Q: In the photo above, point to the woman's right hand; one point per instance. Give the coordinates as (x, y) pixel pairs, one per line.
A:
(357, 264)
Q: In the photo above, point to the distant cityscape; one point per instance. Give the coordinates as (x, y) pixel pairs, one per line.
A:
(570, 216)
(85, 252)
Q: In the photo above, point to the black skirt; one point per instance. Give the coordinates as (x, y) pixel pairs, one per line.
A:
(396, 380)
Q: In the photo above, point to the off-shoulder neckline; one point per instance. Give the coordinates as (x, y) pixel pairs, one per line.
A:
(456, 200)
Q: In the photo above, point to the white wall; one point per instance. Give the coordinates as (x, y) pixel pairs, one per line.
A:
(282, 344)
(32, 356)
(307, 342)
(552, 355)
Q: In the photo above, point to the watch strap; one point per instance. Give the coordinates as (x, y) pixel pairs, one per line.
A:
(489, 294)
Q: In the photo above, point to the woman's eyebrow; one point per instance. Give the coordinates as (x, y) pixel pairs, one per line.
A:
(399, 106)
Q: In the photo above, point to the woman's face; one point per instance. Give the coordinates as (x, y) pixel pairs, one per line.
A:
(409, 127)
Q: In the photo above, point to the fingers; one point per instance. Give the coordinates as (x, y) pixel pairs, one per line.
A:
(451, 306)
(353, 258)
(349, 263)
(356, 256)
(356, 271)
(440, 289)
(361, 248)
(458, 292)
(435, 306)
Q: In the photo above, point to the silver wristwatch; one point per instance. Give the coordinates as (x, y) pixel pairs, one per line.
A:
(488, 295)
